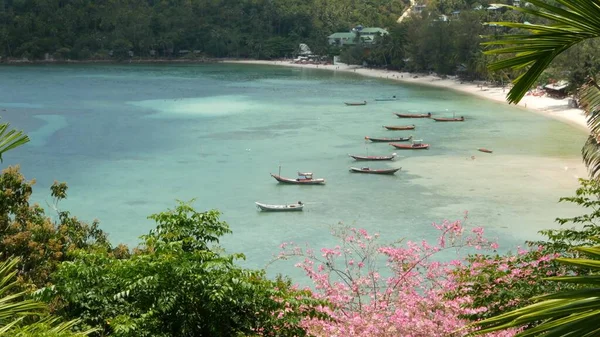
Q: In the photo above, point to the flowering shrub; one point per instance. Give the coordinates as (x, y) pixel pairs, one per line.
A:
(407, 298)
(502, 283)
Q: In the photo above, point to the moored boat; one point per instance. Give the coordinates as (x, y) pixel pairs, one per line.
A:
(356, 103)
(416, 145)
(441, 119)
(485, 150)
(280, 208)
(399, 127)
(427, 115)
(387, 140)
(373, 158)
(374, 171)
(303, 179)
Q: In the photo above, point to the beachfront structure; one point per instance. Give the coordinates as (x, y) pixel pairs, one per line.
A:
(367, 36)
(557, 90)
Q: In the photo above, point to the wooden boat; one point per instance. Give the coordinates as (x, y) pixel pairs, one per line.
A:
(484, 150)
(400, 127)
(440, 119)
(301, 180)
(355, 103)
(416, 145)
(374, 171)
(373, 158)
(387, 140)
(427, 115)
(280, 208)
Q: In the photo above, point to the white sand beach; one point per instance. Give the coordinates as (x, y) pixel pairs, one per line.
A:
(554, 108)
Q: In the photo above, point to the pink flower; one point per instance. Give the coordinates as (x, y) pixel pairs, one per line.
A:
(410, 299)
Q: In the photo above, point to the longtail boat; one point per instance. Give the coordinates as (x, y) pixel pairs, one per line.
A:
(484, 150)
(303, 179)
(427, 115)
(373, 158)
(387, 140)
(355, 103)
(400, 127)
(374, 171)
(280, 208)
(440, 119)
(416, 145)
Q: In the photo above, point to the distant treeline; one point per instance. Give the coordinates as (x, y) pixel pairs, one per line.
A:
(86, 29)
(443, 37)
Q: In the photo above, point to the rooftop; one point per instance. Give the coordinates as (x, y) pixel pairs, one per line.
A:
(373, 30)
(557, 86)
(342, 35)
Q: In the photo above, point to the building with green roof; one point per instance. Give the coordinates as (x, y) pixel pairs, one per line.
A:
(367, 36)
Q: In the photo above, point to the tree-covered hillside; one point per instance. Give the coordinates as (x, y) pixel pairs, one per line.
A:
(83, 29)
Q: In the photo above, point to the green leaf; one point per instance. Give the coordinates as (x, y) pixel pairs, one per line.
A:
(10, 139)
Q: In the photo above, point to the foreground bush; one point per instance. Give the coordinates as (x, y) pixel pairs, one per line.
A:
(177, 283)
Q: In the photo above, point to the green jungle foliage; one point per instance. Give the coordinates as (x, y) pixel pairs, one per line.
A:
(178, 283)
(85, 29)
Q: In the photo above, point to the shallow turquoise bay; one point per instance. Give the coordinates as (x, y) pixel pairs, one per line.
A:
(130, 139)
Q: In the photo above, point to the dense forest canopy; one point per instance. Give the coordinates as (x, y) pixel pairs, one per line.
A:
(83, 29)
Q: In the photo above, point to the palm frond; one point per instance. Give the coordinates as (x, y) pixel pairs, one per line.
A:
(14, 309)
(10, 139)
(574, 21)
(589, 97)
(51, 326)
(567, 313)
(11, 306)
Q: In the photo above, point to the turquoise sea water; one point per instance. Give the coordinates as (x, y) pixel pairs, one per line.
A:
(130, 139)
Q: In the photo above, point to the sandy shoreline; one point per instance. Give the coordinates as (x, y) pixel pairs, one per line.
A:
(554, 108)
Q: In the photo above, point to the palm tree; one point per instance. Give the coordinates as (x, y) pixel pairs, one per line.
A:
(574, 22)
(577, 312)
(10, 139)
